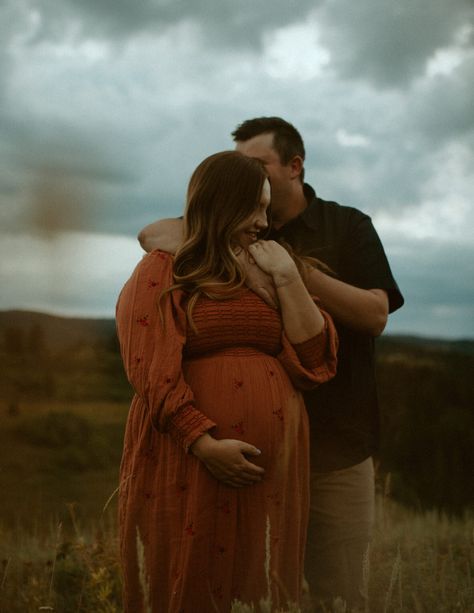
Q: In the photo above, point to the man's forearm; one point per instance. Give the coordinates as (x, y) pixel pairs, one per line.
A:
(358, 309)
(164, 234)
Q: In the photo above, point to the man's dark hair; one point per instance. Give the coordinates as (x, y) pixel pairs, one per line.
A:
(287, 141)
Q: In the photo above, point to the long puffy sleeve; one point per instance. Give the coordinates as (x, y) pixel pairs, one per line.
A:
(151, 346)
(314, 361)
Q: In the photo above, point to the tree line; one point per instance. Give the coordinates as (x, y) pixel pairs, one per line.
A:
(425, 389)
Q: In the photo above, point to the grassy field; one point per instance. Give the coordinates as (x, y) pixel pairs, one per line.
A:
(52, 456)
(58, 548)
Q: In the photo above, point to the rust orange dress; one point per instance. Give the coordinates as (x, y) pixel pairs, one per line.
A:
(189, 543)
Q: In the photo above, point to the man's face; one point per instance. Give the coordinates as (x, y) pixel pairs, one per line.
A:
(261, 148)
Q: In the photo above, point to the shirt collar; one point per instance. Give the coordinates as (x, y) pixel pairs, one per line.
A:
(307, 216)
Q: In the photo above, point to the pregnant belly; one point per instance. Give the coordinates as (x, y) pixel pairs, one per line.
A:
(250, 397)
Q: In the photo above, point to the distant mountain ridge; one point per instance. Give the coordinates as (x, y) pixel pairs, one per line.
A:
(62, 333)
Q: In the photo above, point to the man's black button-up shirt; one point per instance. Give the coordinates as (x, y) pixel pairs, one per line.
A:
(343, 413)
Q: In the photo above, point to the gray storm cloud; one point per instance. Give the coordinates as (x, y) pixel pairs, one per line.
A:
(382, 41)
(389, 42)
(108, 105)
(226, 23)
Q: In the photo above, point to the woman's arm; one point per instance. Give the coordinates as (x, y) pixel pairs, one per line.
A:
(309, 341)
(301, 317)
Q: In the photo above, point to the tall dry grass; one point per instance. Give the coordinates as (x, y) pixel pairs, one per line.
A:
(420, 563)
(49, 570)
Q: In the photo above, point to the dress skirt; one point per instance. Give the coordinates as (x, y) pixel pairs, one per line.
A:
(207, 543)
(188, 542)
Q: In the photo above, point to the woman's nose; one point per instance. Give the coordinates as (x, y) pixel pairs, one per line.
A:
(261, 221)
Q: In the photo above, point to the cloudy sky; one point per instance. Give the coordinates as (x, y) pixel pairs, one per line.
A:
(106, 106)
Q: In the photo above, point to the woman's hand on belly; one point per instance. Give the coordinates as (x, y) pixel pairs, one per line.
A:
(225, 459)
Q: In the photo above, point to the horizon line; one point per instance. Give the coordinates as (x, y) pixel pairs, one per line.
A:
(111, 317)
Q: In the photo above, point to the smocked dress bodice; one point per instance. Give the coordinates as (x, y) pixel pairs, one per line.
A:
(241, 321)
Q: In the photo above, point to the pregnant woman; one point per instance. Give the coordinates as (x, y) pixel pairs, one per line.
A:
(214, 476)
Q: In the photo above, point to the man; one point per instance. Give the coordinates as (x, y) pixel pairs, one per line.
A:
(344, 416)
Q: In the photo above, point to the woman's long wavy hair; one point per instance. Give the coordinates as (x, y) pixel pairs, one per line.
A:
(224, 190)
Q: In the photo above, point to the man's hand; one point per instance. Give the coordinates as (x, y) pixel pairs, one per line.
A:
(165, 234)
(257, 280)
(225, 459)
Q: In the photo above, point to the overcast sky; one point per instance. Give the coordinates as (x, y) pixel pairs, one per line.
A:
(106, 106)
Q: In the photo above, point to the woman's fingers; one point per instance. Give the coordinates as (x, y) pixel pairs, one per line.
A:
(273, 259)
(226, 461)
(259, 281)
(249, 449)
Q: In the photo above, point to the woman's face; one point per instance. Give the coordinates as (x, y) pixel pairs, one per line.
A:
(247, 232)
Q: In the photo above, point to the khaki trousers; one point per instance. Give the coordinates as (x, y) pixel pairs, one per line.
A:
(339, 532)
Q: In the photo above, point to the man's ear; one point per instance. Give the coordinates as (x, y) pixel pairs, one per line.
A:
(296, 166)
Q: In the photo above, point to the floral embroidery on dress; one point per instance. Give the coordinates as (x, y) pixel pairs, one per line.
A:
(238, 427)
(189, 529)
(143, 321)
(218, 592)
(278, 413)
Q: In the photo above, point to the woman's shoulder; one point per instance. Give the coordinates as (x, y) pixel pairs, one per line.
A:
(156, 266)
(157, 258)
(162, 255)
